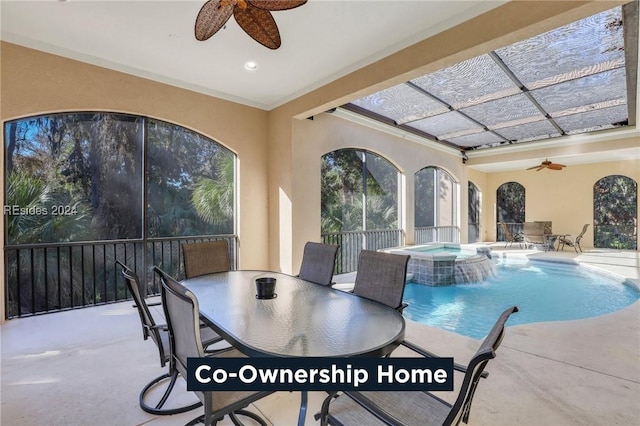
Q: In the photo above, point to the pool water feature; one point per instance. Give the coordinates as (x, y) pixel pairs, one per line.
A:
(543, 291)
(447, 263)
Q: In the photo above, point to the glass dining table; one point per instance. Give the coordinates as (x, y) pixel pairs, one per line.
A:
(302, 320)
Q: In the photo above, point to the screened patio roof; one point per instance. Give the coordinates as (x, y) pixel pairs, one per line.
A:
(575, 79)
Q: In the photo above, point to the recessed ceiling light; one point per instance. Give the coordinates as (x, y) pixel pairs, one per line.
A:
(251, 66)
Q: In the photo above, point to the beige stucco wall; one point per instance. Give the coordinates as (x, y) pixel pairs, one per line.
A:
(326, 133)
(34, 83)
(564, 197)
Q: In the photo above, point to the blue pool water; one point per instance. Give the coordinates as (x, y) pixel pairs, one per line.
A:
(543, 291)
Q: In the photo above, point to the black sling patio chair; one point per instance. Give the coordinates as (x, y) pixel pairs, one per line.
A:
(566, 240)
(160, 336)
(415, 408)
(206, 257)
(382, 277)
(318, 262)
(183, 315)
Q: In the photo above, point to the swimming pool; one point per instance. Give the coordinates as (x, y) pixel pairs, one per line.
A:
(543, 291)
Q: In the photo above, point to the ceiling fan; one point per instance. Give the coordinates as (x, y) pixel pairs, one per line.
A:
(253, 16)
(546, 164)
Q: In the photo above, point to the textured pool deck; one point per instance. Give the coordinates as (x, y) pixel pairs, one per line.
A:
(87, 366)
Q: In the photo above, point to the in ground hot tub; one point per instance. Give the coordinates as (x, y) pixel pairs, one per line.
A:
(447, 263)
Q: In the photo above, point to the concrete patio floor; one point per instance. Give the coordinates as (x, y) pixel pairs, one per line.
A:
(87, 366)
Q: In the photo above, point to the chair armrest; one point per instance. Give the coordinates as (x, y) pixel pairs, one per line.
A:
(425, 353)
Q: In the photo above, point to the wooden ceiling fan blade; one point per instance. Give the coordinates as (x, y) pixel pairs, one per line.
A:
(212, 16)
(259, 24)
(546, 164)
(276, 4)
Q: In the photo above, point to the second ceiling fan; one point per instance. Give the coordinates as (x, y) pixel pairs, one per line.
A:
(546, 164)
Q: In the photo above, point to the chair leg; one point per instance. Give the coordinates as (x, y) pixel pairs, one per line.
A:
(157, 409)
(246, 413)
(233, 416)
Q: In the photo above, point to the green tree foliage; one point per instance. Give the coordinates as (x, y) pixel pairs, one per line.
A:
(190, 183)
(115, 170)
(615, 212)
(79, 177)
(35, 222)
(425, 189)
(213, 197)
(48, 164)
(511, 203)
(473, 213)
(435, 197)
(343, 173)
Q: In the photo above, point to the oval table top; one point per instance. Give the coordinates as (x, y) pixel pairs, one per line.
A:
(304, 320)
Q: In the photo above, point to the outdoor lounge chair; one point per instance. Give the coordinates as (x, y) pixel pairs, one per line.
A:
(159, 335)
(206, 257)
(415, 408)
(183, 313)
(510, 238)
(534, 234)
(566, 239)
(318, 262)
(382, 277)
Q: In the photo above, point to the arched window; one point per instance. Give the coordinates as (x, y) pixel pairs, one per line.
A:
(511, 201)
(474, 213)
(359, 203)
(86, 189)
(615, 213)
(436, 209)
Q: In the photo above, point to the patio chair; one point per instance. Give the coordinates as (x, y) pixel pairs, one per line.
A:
(183, 313)
(510, 238)
(382, 277)
(159, 334)
(566, 239)
(206, 257)
(318, 263)
(534, 234)
(415, 408)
